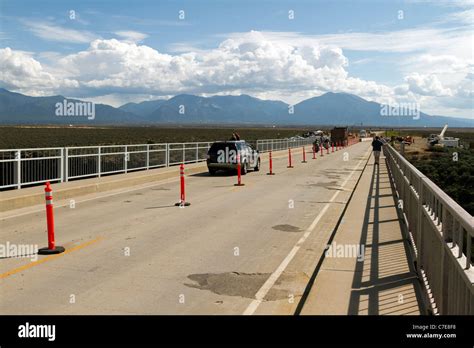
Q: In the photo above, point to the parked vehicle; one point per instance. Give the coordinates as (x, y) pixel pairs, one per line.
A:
(339, 135)
(439, 140)
(222, 155)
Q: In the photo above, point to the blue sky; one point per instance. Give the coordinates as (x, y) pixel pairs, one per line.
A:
(121, 51)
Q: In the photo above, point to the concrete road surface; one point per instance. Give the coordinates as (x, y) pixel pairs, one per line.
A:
(235, 250)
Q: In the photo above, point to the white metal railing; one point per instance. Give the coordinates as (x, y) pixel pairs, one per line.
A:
(187, 152)
(266, 145)
(21, 167)
(82, 162)
(32, 166)
(441, 232)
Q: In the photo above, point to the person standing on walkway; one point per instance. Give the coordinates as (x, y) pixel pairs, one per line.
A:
(377, 147)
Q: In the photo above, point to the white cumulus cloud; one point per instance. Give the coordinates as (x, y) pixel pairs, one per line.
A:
(251, 63)
(22, 72)
(428, 85)
(255, 63)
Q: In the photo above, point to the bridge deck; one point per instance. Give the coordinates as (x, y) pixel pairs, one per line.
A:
(235, 250)
(384, 282)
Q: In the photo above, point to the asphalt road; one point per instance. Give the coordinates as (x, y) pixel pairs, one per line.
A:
(235, 250)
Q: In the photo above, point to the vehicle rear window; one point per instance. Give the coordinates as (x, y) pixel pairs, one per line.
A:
(221, 146)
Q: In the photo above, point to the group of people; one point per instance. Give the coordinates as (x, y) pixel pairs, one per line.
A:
(377, 144)
(322, 140)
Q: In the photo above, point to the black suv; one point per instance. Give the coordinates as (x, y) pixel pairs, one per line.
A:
(222, 155)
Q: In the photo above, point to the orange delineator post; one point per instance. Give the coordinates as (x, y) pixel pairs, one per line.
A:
(239, 172)
(49, 215)
(327, 150)
(270, 161)
(321, 147)
(314, 152)
(332, 145)
(52, 248)
(289, 158)
(304, 156)
(182, 202)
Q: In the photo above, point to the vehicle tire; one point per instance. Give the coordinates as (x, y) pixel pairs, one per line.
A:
(243, 168)
(257, 167)
(212, 171)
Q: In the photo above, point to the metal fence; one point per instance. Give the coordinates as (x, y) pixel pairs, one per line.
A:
(81, 162)
(441, 233)
(30, 166)
(266, 145)
(23, 167)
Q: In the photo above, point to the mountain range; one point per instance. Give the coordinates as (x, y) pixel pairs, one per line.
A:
(327, 109)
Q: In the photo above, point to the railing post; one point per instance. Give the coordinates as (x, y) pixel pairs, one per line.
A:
(184, 153)
(460, 242)
(66, 164)
(18, 168)
(148, 156)
(61, 165)
(126, 158)
(468, 249)
(419, 238)
(167, 156)
(197, 152)
(441, 302)
(99, 162)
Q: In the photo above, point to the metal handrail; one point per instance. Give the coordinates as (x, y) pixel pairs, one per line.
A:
(438, 228)
(17, 169)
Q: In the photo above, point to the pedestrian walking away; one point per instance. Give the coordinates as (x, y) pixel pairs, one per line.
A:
(376, 148)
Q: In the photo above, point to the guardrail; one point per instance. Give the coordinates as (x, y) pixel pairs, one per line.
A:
(266, 145)
(82, 162)
(31, 166)
(441, 233)
(22, 167)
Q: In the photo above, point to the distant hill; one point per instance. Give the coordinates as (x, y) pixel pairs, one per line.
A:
(144, 108)
(327, 109)
(219, 109)
(16, 108)
(349, 109)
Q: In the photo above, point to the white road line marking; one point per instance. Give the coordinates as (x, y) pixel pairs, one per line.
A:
(262, 292)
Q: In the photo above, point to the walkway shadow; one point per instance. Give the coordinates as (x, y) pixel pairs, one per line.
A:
(385, 282)
(161, 207)
(218, 174)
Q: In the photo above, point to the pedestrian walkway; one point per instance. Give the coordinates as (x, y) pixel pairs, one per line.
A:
(381, 278)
